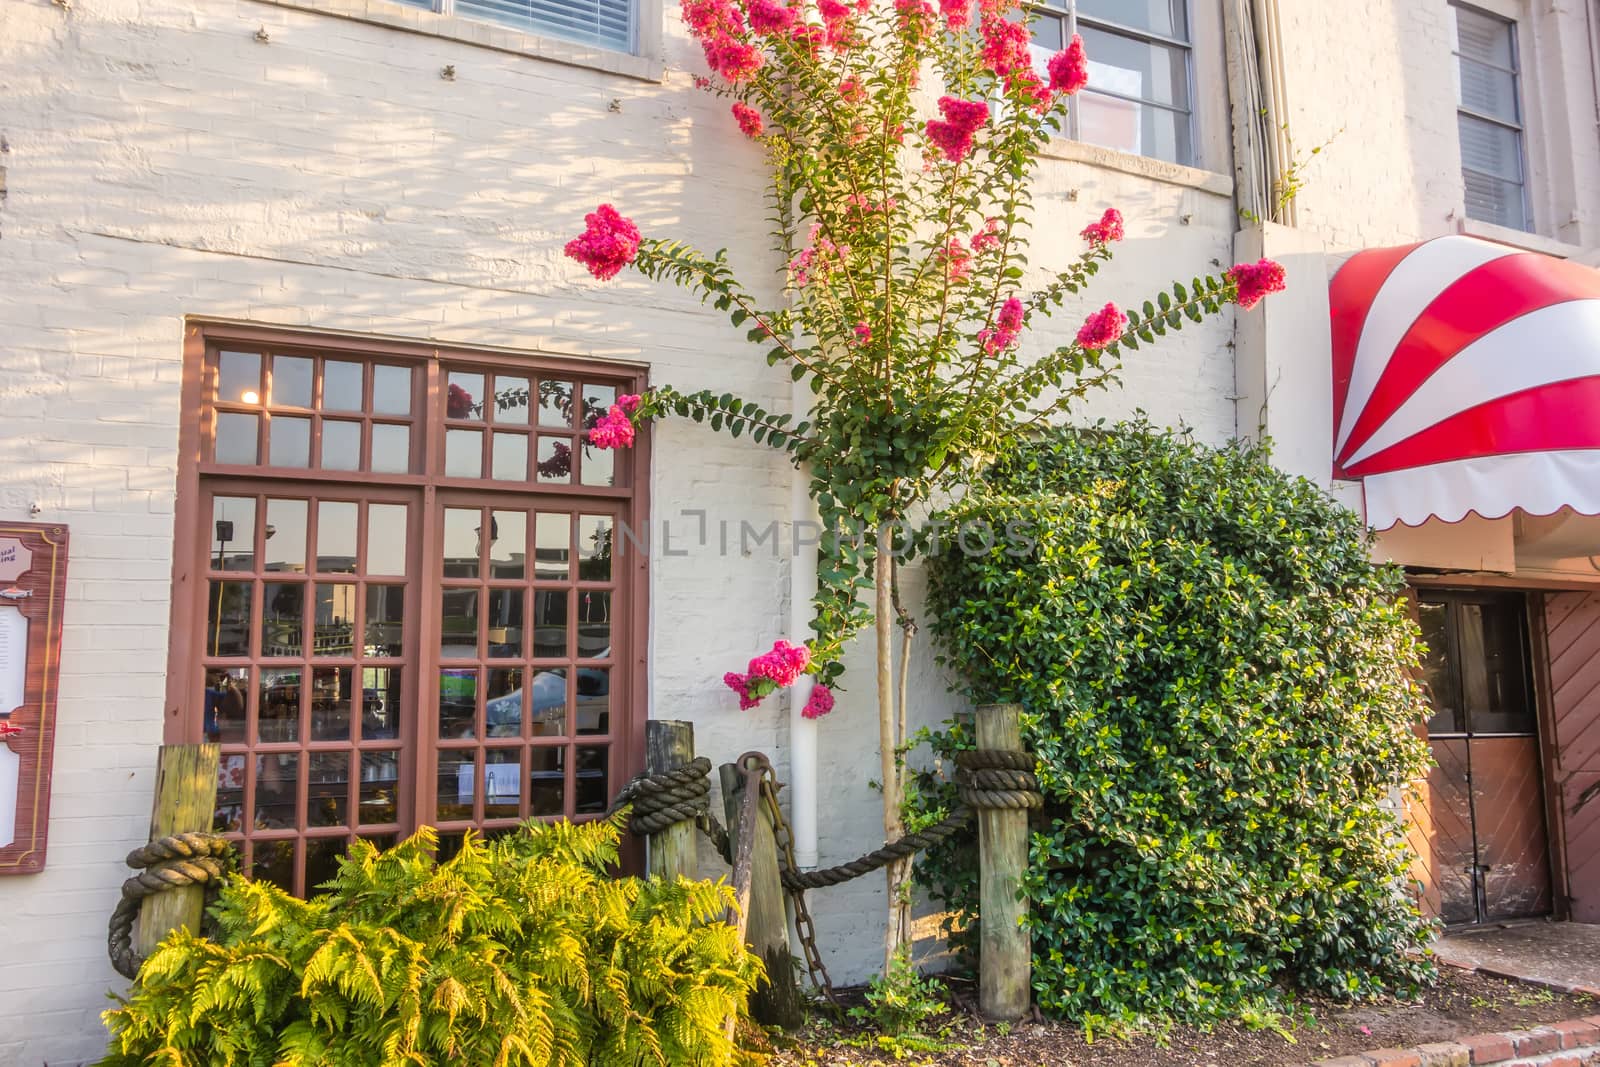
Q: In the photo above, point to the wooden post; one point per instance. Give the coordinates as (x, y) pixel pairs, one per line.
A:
(1005, 959)
(669, 744)
(777, 1001)
(186, 800)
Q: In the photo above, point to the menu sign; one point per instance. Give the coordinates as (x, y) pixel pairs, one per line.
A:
(33, 581)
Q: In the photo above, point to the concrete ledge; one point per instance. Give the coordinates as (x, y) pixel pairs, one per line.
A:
(1573, 1043)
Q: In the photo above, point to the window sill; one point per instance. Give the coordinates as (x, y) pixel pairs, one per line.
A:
(1528, 242)
(482, 35)
(1159, 170)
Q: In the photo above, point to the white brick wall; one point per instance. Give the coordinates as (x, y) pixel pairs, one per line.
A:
(159, 162)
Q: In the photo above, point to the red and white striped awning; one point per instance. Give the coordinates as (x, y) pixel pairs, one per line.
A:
(1466, 378)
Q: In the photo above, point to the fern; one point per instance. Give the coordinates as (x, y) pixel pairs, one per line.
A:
(520, 952)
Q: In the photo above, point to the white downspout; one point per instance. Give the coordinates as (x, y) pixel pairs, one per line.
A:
(802, 546)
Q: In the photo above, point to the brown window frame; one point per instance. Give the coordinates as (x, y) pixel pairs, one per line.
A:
(419, 741)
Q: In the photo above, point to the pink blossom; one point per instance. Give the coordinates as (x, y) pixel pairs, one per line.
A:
(1069, 69)
(609, 242)
(1007, 326)
(629, 402)
(820, 703)
(915, 18)
(1005, 48)
(957, 260)
(1108, 229)
(782, 665)
(836, 22)
(457, 403)
(962, 119)
(1255, 281)
(863, 332)
(957, 13)
(863, 205)
(748, 118)
(709, 19)
(701, 81)
(613, 430)
(769, 18)
(1102, 328)
(851, 90)
(731, 58)
(749, 689)
(988, 238)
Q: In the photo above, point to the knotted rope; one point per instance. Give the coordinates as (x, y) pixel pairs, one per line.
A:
(665, 799)
(167, 863)
(991, 778)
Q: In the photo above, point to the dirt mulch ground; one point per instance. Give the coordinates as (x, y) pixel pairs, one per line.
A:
(1461, 1004)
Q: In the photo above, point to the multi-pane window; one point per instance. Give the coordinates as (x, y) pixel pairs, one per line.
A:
(1138, 98)
(606, 23)
(1489, 117)
(412, 613)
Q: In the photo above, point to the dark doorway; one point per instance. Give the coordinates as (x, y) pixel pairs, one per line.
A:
(1491, 854)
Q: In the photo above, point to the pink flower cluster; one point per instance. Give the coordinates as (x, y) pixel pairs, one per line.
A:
(851, 90)
(838, 31)
(614, 429)
(817, 261)
(962, 120)
(957, 13)
(1069, 69)
(457, 403)
(957, 261)
(776, 669)
(1107, 230)
(1102, 328)
(1005, 47)
(915, 18)
(1256, 280)
(863, 332)
(608, 243)
(820, 703)
(987, 239)
(769, 18)
(1007, 326)
(719, 27)
(749, 120)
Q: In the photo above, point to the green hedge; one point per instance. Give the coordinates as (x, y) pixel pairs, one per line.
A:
(518, 952)
(1218, 690)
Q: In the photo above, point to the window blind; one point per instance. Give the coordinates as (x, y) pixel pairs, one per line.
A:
(606, 23)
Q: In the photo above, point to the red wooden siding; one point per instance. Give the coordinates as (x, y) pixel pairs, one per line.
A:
(1572, 626)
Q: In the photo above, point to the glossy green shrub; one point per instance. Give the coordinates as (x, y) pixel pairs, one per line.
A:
(518, 952)
(1218, 690)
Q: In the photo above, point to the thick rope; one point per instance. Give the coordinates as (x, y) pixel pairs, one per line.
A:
(991, 778)
(987, 779)
(166, 863)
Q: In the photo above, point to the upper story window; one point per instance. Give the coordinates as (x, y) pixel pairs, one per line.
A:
(1490, 118)
(1138, 99)
(604, 23)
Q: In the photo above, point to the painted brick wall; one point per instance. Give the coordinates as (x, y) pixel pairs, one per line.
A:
(160, 162)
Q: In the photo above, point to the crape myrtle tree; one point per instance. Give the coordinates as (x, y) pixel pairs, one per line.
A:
(902, 141)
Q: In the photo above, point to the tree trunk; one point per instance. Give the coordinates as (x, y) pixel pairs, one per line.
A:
(897, 928)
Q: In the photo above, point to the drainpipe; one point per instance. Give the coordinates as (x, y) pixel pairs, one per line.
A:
(804, 529)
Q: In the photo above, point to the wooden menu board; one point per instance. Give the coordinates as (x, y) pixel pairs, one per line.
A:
(33, 582)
